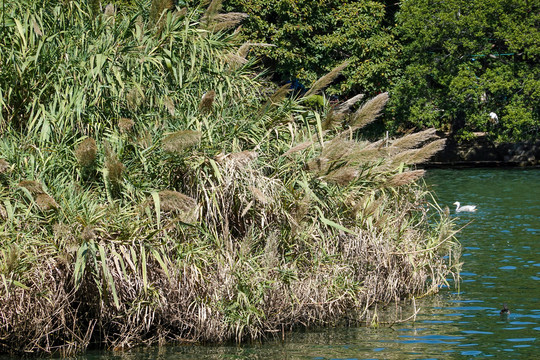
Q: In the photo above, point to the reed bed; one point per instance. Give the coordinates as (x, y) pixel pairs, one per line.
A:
(151, 192)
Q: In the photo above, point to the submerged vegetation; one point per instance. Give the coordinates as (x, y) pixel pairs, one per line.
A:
(154, 188)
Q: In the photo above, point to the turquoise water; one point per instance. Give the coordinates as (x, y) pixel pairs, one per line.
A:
(501, 255)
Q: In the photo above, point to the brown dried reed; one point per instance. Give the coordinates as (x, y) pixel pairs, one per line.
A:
(4, 166)
(369, 111)
(34, 187)
(177, 142)
(207, 100)
(114, 166)
(125, 125)
(325, 80)
(405, 178)
(86, 152)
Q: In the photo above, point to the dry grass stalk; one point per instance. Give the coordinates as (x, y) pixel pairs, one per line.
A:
(235, 60)
(227, 20)
(125, 125)
(213, 8)
(405, 178)
(411, 141)
(3, 212)
(4, 166)
(86, 152)
(110, 10)
(302, 146)
(342, 176)
(134, 98)
(258, 194)
(157, 9)
(241, 158)
(280, 94)
(173, 201)
(325, 80)
(46, 202)
(369, 111)
(346, 106)
(419, 156)
(37, 30)
(244, 49)
(114, 166)
(207, 100)
(169, 104)
(177, 142)
(34, 187)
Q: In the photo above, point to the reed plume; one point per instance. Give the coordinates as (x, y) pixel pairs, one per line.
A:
(169, 104)
(213, 8)
(86, 152)
(4, 166)
(207, 100)
(342, 176)
(244, 49)
(134, 98)
(114, 166)
(110, 11)
(3, 212)
(177, 142)
(419, 156)
(346, 105)
(369, 111)
(157, 9)
(227, 20)
(411, 141)
(405, 178)
(46, 202)
(125, 124)
(325, 80)
(34, 187)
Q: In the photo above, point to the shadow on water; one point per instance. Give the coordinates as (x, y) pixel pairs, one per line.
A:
(501, 255)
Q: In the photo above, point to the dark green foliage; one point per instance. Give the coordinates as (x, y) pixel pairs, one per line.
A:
(311, 38)
(464, 59)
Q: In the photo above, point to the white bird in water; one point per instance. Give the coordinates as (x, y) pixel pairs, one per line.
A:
(468, 208)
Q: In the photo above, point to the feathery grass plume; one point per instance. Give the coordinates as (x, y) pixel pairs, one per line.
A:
(134, 98)
(342, 176)
(404, 178)
(110, 11)
(3, 212)
(207, 100)
(258, 194)
(244, 49)
(36, 28)
(88, 233)
(114, 166)
(33, 186)
(280, 94)
(227, 20)
(46, 202)
(325, 80)
(169, 104)
(213, 8)
(177, 142)
(235, 61)
(157, 8)
(302, 146)
(419, 156)
(411, 141)
(238, 159)
(4, 166)
(125, 125)
(86, 152)
(369, 111)
(346, 105)
(180, 204)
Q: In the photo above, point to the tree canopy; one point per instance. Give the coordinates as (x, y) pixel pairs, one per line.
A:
(465, 59)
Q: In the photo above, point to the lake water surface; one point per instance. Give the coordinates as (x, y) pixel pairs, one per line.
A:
(501, 255)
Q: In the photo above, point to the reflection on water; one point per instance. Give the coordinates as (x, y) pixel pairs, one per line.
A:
(501, 255)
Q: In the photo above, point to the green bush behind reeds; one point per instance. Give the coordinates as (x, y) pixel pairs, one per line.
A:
(154, 188)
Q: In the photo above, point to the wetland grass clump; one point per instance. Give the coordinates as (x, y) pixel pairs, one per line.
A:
(231, 219)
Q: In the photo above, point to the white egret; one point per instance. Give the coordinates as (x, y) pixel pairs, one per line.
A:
(466, 208)
(494, 117)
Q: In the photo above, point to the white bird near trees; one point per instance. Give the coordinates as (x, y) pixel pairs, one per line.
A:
(466, 208)
(494, 117)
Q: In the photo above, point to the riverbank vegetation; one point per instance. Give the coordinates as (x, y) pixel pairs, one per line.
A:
(155, 188)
